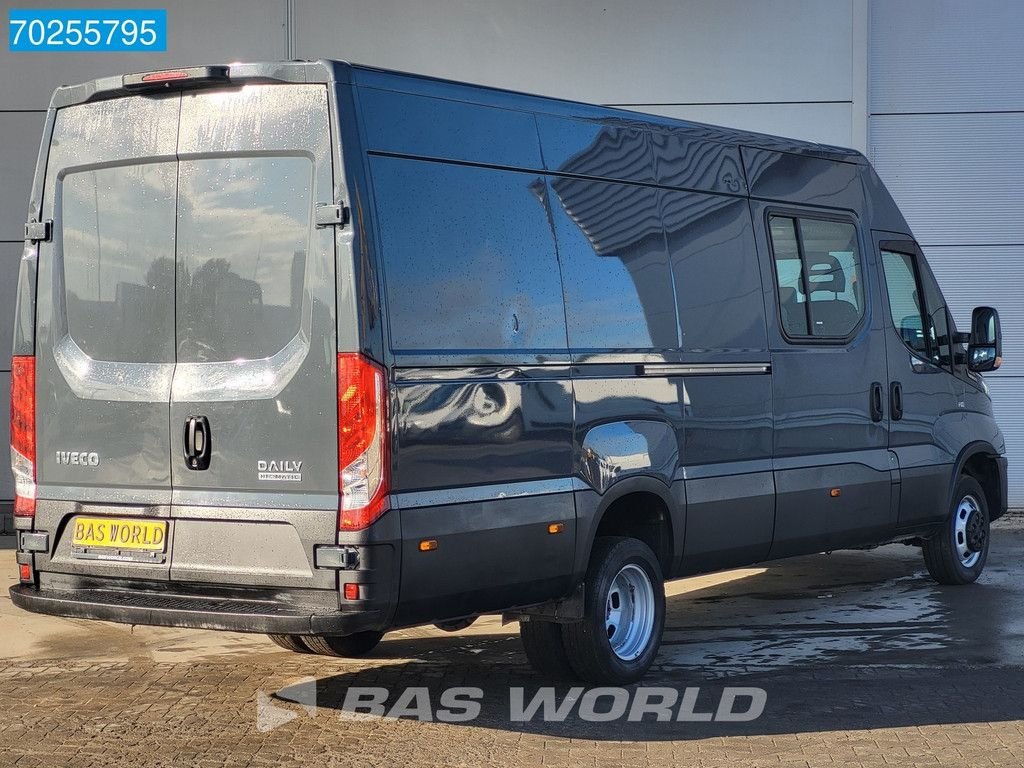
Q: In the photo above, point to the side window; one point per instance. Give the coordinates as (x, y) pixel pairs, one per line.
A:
(789, 273)
(716, 272)
(618, 288)
(818, 270)
(469, 258)
(918, 310)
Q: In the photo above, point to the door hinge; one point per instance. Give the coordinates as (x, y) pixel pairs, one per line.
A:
(331, 215)
(39, 231)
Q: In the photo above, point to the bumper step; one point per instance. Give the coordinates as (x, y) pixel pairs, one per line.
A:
(170, 610)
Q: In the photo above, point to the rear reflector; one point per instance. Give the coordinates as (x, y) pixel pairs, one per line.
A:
(25, 572)
(351, 591)
(363, 472)
(23, 434)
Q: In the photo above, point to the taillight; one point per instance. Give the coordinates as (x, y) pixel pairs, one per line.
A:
(23, 434)
(363, 473)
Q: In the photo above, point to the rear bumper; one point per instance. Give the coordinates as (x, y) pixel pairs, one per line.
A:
(234, 614)
(228, 597)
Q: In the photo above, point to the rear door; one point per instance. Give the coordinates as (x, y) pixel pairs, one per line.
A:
(105, 321)
(254, 389)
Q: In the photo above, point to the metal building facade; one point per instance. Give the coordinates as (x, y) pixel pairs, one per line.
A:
(946, 133)
(934, 88)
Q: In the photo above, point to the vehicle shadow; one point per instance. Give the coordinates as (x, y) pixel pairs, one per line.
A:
(855, 640)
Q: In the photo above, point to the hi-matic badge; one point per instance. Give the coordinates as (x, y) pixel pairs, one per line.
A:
(279, 471)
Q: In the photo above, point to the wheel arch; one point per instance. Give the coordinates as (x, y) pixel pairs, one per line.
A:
(640, 507)
(985, 464)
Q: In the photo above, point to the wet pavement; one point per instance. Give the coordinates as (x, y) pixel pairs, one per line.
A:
(863, 660)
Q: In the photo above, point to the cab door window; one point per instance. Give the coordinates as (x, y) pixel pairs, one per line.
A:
(918, 309)
(939, 323)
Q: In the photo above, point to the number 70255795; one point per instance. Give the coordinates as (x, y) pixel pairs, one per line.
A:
(84, 30)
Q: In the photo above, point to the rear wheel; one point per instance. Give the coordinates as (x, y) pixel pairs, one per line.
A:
(345, 646)
(957, 554)
(545, 650)
(457, 624)
(290, 643)
(624, 615)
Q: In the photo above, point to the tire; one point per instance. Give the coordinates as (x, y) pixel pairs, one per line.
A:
(545, 650)
(344, 646)
(600, 650)
(957, 554)
(290, 643)
(457, 625)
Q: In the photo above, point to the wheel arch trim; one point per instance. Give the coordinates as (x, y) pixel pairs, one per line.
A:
(981, 448)
(628, 486)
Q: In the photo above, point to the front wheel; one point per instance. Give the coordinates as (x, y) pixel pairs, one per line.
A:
(624, 615)
(290, 643)
(957, 554)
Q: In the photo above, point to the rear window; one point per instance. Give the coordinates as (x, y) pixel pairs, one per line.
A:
(118, 247)
(243, 236)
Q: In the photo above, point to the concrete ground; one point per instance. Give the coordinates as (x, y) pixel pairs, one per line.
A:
(863, 661)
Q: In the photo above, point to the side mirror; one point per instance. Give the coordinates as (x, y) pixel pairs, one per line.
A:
(985, 352)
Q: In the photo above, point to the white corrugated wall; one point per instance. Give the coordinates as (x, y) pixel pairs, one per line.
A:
(946, 133)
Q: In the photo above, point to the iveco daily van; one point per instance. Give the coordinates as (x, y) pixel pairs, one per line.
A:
(318, 351)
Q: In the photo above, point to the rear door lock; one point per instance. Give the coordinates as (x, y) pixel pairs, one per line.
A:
(198, 442)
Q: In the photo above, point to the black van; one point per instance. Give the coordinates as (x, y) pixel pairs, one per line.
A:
(320, 351)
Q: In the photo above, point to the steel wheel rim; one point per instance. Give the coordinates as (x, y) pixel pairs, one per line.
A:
(629, 612)
(968, 532)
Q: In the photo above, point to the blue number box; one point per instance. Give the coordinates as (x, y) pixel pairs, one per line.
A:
(82, 30)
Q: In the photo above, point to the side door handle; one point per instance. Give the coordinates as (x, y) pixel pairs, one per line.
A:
(876, 401)
(896, 400)
(198, 443)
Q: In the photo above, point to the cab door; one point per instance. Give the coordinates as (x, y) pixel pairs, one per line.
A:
(925, 396)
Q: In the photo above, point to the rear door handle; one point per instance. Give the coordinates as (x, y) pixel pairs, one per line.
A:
(876, 401)
(198, 443)
(896, 400)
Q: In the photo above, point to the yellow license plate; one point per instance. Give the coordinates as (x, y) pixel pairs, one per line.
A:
(113, 533)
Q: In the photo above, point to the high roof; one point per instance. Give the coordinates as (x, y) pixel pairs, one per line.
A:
(423, 85)
(326, 70)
